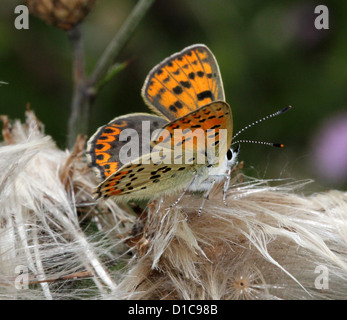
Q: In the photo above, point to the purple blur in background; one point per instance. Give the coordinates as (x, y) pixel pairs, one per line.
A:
(329, 150)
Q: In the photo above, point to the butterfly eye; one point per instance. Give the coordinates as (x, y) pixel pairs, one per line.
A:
(232, 155)
(229, 154)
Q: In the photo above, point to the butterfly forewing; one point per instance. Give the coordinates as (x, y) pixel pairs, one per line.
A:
(184, 82)
(206, 131)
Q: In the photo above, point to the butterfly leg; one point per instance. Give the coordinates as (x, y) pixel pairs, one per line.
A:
(226, 185)
(182, 194)
(206, 195)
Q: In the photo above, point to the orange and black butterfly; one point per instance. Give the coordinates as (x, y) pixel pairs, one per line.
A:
(186, 93)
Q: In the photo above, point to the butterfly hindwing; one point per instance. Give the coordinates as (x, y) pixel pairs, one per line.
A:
(184, 82)
(105, 146)
(144, 178)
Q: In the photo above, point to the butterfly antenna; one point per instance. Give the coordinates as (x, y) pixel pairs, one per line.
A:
(271, 144)
(261, 120)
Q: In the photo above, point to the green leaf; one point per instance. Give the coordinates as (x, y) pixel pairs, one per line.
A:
(115, 69)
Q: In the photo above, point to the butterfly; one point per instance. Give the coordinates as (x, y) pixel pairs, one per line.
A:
(185, 91)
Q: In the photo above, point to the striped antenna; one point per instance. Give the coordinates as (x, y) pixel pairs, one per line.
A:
(261, 120)
(271, 144)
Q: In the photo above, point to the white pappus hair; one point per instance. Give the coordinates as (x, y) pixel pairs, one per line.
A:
(56, 242)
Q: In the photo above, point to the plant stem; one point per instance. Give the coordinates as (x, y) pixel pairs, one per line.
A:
(119, 40)
(86, 89)
(78, 121)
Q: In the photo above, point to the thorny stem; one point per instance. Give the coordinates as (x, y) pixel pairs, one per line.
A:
(85, 89)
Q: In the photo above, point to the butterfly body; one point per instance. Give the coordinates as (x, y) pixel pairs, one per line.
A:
(207, 174)
(189, 138)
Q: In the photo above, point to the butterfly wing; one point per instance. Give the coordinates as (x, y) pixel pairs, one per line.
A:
(206, 131)
(144, 178)
(186, 89)
(149, 175)
(183, 82)
(106, 148)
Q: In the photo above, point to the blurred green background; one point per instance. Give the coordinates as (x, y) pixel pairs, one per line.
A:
(270, 56)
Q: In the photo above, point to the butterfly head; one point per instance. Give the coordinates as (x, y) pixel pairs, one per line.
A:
(231, 155)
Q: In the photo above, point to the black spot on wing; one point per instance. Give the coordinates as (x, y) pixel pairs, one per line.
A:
(205, 94)
(185, 84)
(172, 108)
(178, 105)
(178, 90)
(213, 135)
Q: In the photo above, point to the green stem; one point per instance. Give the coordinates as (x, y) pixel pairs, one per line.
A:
(78, 121)
(117, 43)
(86, 89)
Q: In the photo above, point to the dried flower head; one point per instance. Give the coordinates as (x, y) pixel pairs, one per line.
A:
(63, 14)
